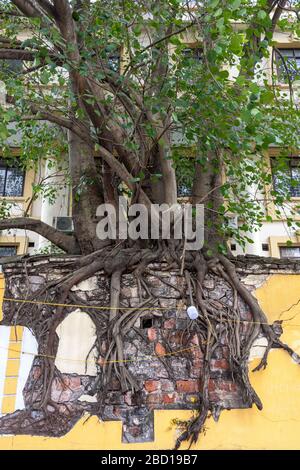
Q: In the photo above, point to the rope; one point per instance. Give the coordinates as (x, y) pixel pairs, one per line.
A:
(108, 307)
(142, 359)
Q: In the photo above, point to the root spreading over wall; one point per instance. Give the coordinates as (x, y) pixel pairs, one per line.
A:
(147, 354)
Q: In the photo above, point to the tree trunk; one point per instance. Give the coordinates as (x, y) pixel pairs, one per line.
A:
(206, 190)
(87, 193)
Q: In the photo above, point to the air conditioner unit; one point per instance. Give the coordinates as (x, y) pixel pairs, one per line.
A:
(63, 224)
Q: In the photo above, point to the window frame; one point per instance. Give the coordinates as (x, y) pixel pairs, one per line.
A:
(9, 245)
(282, 79)
(5, 166)
(294, 245)
(293, 189)
(194, 48)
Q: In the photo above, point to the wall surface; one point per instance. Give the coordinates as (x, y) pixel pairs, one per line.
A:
(277, 426)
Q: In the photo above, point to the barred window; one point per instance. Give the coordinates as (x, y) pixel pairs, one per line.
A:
(286, 175)
(195, 53)
(114, 61)
(288, 64)
(12, 179)
(8, 250)
(112, 55)
(289, 251)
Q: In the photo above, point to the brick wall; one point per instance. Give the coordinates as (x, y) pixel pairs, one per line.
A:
(162, 349)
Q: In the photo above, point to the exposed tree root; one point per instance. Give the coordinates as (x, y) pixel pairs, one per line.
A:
(218, 320)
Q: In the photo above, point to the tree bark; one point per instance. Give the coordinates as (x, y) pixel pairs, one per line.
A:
(66, 242)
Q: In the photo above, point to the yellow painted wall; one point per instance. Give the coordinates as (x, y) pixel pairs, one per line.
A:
(277, 426)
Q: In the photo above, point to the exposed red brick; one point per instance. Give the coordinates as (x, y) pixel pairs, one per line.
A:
(170, 324)
(151, 385)
(154, 399)
(159, 349)
(152, 334)
(211, 385)
(226, 386)
(219, 364)
(169, 398)
(187, 386)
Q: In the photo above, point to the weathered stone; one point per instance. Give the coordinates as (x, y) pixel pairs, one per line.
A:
(159, 349)
(177, 387)
(152, 334)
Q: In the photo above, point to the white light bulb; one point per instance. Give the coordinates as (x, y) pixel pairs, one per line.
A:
(192, 312)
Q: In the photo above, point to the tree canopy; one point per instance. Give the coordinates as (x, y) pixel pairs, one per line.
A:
(166, 93)
(152, 98)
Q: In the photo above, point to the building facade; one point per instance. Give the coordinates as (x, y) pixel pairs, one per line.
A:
(274, 238)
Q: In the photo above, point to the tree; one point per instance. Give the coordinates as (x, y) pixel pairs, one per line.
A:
(166, 115)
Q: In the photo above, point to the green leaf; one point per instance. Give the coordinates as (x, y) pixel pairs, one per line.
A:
(236, 43)
(235, 4)
(255, 112)
(262, 14)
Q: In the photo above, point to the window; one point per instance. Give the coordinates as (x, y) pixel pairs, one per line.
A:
(112, 55)
(184, 164)
(11, 180)
(195, 53)
(286, 175)
(192, 61)
(114, 61)
(8, 250)
(146, 323)
(288, 64)
(289, 251)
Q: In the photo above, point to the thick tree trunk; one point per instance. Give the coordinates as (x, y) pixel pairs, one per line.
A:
(206, 190)
(87, 193)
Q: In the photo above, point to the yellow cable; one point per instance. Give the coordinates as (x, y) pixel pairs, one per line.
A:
(145, 358)
(108, 307)
(96, 307)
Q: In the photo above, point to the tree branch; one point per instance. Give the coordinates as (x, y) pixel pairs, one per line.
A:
(277, 13)
(48, 8)
(66, 242)
(16, 54)
(28, 8)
